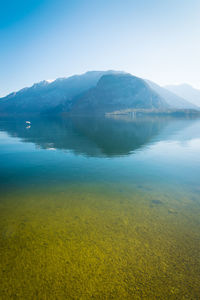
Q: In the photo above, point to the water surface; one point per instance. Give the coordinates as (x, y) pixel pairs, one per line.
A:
(99, 208)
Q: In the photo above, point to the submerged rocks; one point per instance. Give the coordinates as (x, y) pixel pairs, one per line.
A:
(156, 201)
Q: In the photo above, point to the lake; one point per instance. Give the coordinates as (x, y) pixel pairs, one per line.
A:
(100, 208)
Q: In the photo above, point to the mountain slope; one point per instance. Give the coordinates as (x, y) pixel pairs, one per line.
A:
(118, 92)
(92, 92)
(44, 96)
(186, 91)
(172, 99)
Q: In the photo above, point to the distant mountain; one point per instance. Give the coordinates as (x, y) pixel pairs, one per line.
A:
(95, 92)
(45, 96)
(118, 92)
(171, 98)
(186, 91)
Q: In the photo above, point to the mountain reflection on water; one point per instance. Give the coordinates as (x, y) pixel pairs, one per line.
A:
(95, 137)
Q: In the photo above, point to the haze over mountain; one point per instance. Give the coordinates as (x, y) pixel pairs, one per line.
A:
(92, 92)
(171, 98)
(186, 91)
(118, 92)
(46, 95)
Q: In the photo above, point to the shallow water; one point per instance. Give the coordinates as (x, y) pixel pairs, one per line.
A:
(100, 208)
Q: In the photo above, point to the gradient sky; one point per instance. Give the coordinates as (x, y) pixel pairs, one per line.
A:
(45, 39)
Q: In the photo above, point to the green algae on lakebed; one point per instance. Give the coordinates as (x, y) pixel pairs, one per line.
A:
(97, 242)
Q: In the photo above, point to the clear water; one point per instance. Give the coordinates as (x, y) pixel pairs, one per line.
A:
(105, 208)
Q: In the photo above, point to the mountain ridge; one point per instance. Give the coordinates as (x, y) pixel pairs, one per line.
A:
(111, 91)
(186, 91)
(97, 91)
(171, 98)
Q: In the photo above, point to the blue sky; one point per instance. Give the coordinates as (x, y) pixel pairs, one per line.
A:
(46, 39)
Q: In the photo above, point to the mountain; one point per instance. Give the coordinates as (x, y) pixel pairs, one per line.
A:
(95, 92)
(172, 98)
(186, 91)
(45, 96)
(118, 92)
